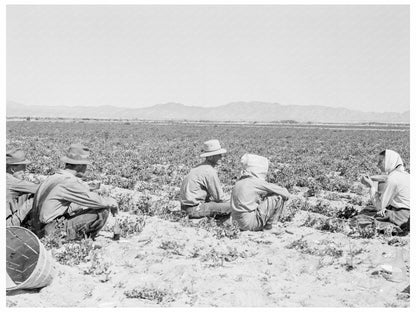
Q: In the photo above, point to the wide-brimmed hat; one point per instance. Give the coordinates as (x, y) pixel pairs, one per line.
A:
(211, 148)
(77, 154)
(16, 157)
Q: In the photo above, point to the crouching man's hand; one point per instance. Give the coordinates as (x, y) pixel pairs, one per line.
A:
(366, 180)
(285, 194)
(381, 213)
(74, 209)
(94, 185)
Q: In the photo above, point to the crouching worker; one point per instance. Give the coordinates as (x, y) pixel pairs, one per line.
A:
(201, 194)
(255, 203)
(63, 199)
(19, 193)
(392, 200)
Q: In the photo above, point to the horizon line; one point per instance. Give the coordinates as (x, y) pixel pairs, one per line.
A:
(208, 107)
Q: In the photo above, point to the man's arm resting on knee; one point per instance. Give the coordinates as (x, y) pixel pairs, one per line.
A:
(275, 189)
(83, 198)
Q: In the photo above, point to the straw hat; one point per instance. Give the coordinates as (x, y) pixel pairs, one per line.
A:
(77, 154)
(16, 157)
(212, 147)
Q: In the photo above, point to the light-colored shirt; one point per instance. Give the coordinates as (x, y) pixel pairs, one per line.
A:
(249, 191)
(396, 191)
(19, 199)
(16, 187)
(201, 183)
(62, 192)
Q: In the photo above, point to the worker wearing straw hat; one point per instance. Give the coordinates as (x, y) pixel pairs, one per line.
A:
(64, 197)
(201, 194)
(19, 193)
(255, 203)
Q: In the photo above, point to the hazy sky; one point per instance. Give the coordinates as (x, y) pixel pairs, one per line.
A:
(134, 56)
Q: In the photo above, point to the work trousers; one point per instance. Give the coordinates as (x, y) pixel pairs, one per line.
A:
(208, 209)
(269, 210)
(397, 216)
(86, 223)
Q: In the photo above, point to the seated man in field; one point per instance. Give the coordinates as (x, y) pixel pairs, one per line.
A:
(391, 195)
(63, 199)
(255, 203)
(201, 193)
(392, 200)
(19, 193)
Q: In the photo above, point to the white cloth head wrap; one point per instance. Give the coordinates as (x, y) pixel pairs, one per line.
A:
(255, 166)
(391, 161)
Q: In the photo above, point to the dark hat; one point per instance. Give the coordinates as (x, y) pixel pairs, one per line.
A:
(77, 154)
(16, 157)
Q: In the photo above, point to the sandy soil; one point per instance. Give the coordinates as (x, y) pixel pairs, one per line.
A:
(168, 264)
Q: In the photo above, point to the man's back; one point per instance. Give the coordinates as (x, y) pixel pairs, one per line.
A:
(248, 192)
(47, 202)
(63, 191)
(201, 182)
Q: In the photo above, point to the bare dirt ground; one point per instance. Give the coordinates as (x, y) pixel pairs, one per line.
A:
(169, 264)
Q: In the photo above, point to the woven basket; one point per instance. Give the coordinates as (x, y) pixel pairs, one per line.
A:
(28, 264)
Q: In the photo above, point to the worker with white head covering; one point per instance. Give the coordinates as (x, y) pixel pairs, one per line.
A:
(392, 201)
(255, 203)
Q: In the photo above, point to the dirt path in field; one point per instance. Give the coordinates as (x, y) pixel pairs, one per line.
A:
(171, 265)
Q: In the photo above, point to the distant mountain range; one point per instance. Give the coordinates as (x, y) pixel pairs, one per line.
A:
(237, 111)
